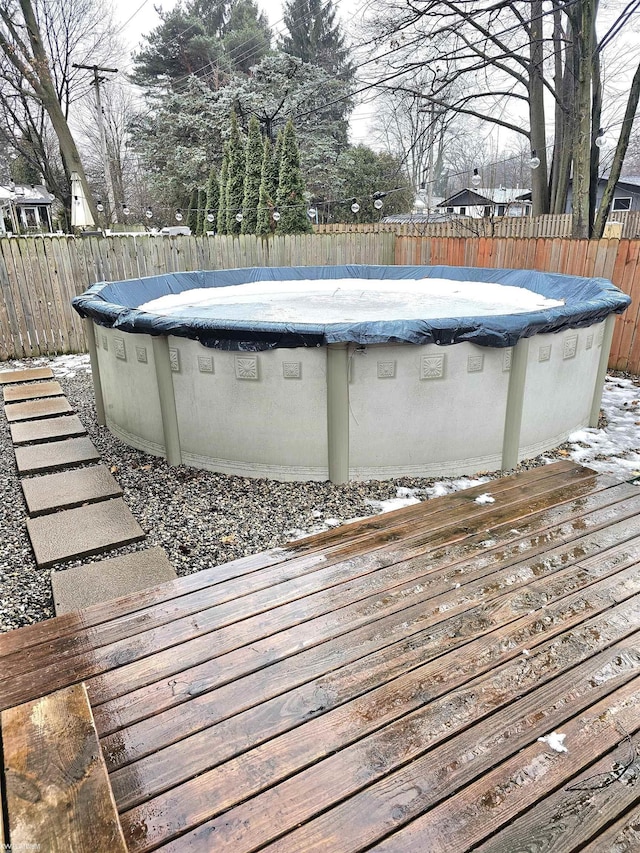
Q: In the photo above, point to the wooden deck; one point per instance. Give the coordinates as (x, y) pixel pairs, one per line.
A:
(381, 686)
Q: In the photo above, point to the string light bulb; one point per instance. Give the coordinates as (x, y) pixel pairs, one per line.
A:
(377, 199)
(276, 216)
(534, 162)
(99, 205)
(312, 213)
(378, 204)
(355, 207)
(148, 213)
(239, 217)
(125, 209)
(599, 140)
(179, 216)
(476, 180)
(210, 216)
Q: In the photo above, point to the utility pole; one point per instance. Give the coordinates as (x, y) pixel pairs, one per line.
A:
(97, 79)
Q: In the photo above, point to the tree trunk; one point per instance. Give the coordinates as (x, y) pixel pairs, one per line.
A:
(49, 98)
(618, 159)
(539, 181)
(582, 133)
(596, 112)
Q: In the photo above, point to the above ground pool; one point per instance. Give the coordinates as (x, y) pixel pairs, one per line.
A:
(349, 372)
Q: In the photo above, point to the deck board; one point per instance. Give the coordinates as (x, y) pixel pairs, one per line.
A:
(378, 686)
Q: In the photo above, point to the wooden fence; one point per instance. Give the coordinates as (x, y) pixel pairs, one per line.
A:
(613, 259)
(39, 275)
(556, 225)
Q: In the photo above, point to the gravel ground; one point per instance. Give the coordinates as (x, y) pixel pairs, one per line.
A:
(200, 518)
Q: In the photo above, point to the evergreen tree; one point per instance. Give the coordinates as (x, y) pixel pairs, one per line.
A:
(247, 36)
(222, 197)
(192, 215)
(202, 209)
(252, 177)
(211, 201)
(291, 190)
(235, 177)
(268, 190)
(314, 36)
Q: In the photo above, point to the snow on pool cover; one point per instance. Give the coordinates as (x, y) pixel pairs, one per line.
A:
(348, 299)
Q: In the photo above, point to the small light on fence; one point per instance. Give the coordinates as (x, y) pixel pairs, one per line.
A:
(599, 140)
(378, 204)
(239, 217)
(534, 162)
(99, 205)
(148, 213)
(476, 180)
(125, 209)
(210, 216)
(355, 207)
(276, 215)
(179, 215)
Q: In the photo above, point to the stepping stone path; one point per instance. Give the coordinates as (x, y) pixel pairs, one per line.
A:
(33, 409)
(68, 489)
(31, 391)
(48, 429)
(77, 511)
(39, 458)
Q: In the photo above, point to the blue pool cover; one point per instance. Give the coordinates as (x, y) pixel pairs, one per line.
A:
(587, 301)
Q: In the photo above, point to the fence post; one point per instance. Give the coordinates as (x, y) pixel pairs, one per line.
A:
(603, 363)
(338, 412)
(167, 400)
(515, 402)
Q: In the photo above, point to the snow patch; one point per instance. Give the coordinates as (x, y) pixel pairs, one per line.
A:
(555, 740)
(344, 300)
(485, 499)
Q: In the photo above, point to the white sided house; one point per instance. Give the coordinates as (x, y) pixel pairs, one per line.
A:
(486, 202)
(25, 209)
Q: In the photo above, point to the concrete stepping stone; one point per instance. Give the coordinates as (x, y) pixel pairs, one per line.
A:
(68, 489)
(39, 458)
(34, 409)
(81, 586)
(13, 393)
(73, 533)
(48, 429)
(8, 377)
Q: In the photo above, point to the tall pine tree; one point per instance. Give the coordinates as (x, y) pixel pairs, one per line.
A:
(192, 215)
(222, 198)
(252, 177)
(235, 177)
(211, 202)
(202, 212)
(291, 190)
(268, 190)
(314, 36)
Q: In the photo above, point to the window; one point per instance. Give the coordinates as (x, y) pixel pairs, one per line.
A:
(449, 210)
(502, 208)
(462, 211)
(621, 204)
(487, 210)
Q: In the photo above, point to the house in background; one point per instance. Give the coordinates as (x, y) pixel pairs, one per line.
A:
(486, 202)
(626, 195)
(25, 209)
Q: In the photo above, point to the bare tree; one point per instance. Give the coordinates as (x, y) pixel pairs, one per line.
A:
(39, 41)
(508, 59)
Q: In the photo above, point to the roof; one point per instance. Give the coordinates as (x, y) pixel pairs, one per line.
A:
(21, 194)
(487, 195)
